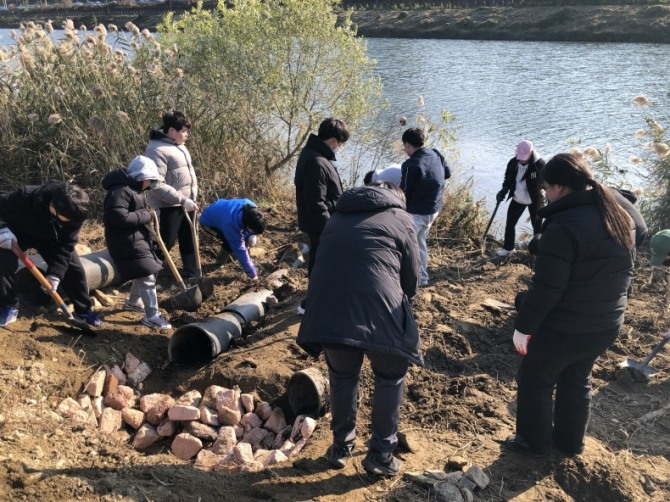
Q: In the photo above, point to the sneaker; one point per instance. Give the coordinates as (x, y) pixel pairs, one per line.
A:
(337, 456)
(8, 314)
(133, 307)
(90, 318)
(504, 252)
(156, 321)
(381, 464)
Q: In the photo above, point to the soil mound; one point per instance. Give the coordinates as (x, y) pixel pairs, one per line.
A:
(460, 405)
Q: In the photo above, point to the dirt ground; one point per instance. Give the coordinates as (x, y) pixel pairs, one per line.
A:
(460, 404)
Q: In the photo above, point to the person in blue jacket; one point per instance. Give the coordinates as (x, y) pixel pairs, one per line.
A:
(236, 223)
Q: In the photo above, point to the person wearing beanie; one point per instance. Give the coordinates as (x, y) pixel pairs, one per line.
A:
(521, 186)
(126, 217)
(390, 174)
(176, 189)
(236, 223)
(46, 218)
(660, 248)
(573, 309)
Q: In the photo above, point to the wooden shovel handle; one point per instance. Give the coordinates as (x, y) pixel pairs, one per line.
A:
(40, 277)
(156, 234)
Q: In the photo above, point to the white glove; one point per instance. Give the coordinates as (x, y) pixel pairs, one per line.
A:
(521, 342)
(6, 238)
(54, 281)
(251, 241)
(189, 205)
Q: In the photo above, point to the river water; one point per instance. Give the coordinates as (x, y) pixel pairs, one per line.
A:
(554, 93)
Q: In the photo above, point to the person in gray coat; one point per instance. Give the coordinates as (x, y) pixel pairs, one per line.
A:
(177, 188)
(359, 296)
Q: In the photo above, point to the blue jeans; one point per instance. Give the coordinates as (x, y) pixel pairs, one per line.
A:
(423, 223)
(344, 369)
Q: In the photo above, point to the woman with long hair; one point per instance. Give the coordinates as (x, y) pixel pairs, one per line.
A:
(573, 309)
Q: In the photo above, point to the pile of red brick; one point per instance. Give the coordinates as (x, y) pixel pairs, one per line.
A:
(224, 429)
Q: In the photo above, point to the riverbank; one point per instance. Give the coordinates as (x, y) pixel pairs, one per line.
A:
(573, 23)
(626, 23)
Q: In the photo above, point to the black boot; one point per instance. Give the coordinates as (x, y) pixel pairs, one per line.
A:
(190, 269)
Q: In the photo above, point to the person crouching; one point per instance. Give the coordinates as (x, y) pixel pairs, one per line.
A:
(126, 216)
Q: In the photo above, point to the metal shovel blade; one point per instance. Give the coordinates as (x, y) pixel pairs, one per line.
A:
(638, 370)
(188, 300)
(641, 370)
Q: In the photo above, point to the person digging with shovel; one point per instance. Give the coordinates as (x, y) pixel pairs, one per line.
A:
(236, 223)
(47, 218)
(126, 217)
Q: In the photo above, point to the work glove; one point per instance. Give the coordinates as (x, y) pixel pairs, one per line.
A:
(189, 205)
(521, 342)
(54, 281)
(6, 238)
(251, 241)
(500, 196)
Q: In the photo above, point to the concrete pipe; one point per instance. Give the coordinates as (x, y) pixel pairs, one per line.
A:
(201, 341)
(206, 339)
(99, 267)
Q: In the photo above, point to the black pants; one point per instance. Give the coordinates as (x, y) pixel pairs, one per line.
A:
(344, 369)
(175, 227)
(562, 361)
(73, 284)
(313, 245)
(218, 234)
(514, 212)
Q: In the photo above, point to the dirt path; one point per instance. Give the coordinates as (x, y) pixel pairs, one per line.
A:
(460, 404)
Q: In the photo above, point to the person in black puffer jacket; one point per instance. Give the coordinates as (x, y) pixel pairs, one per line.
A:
(359, 304)
(574, 307)
(130, 245)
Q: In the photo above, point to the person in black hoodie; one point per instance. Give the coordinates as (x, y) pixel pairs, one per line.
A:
(47, 218)
(318, 184)
(128, 238)
(359, 298)
(573, 309)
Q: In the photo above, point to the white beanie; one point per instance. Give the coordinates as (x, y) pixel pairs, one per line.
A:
(143, 168)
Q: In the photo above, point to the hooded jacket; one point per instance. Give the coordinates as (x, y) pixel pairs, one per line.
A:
(26, 212)
(177, 180)
(225, 215)
(366, 272)
(581, 274)
(317, 185)
(126, 218)
(423, 176)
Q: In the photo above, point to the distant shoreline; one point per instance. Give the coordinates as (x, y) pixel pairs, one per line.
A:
(620, 23)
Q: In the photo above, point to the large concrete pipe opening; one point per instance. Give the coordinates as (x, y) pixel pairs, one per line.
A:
(201, 341)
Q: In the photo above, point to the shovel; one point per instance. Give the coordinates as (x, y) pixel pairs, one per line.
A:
(205, 284)
(83, 325)
(486, 232)
(188, 299)
(641, 370)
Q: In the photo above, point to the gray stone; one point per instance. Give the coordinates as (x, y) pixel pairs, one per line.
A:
(478, 476)
(467, 483)
(201, 431)
(435, 474)
(448, 492)
(467, 495)
(420, 479)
